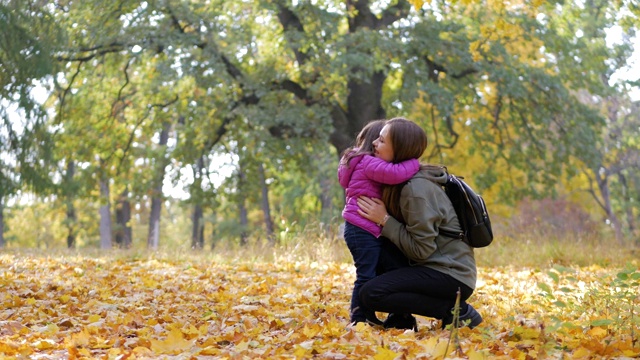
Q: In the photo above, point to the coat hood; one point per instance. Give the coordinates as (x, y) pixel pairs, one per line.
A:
(435, 173)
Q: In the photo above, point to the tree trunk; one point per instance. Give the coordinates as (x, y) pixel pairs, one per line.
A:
(603, 186)
(197, 224)
(197, 230)
(105, 216)
(326, 200)
(631, 221)
(153, 239)
(214, 233)
(1, 222)
(266, 210)
(627, 203)
(364, 99)
(71, 210)
(364, 94)
(71, 223)
(244, 217)
(123, 219)
(128, 232)
(244, 222)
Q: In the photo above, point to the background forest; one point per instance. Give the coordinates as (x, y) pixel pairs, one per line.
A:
(193, 124)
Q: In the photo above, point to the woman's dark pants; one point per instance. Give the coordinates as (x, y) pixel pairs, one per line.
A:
(411, 289)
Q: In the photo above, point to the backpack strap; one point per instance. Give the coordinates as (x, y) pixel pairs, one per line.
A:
(452, 234)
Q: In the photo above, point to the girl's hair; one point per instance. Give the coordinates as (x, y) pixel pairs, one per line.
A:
(408, 141)
(364, 141)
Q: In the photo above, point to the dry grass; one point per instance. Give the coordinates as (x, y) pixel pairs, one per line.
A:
(524, 249)
(528, 252)
(520, 250)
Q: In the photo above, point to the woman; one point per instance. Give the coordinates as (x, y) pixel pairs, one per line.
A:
(423, 271)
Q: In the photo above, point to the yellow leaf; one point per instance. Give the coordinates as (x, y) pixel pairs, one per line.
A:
(193, 331)
(84, 352)
(384, 354)
(10, 327)
(597, 332)
(209, 350)
(242, 346)
(631, 353)
(80, 339)
(45, 344)
(333, 328)
(582, 353)
(517, 354)
(528, 333)
(150, 283)
(65, 298)
(440, 350)
(48, 329)
(173, 344)
(310, 332)
(477, 355)
(300, 352)
(11, 348)
(417, 4)
(93, 318)
(141, 350)
(105, 295)
(113, 353)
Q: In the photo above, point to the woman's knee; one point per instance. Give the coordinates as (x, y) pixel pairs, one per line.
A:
(369, 294)
(364, 294)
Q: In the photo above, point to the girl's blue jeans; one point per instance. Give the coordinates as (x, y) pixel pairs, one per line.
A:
(365, 249)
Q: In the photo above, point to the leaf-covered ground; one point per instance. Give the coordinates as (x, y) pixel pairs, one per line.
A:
(83, 307)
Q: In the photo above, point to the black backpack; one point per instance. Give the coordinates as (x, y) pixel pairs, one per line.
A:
(472, 213)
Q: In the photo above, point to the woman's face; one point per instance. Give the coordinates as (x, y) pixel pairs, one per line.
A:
(382, 145)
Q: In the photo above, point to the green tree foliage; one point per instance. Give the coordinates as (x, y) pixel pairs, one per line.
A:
(26, 49)
(610, 158)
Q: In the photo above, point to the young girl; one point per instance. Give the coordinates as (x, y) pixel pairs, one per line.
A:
(362, 172)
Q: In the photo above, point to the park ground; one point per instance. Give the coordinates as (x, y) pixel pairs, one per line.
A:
(126, 305)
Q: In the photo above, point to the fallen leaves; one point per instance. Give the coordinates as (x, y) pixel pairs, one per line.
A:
(173, 344)
(82, 307)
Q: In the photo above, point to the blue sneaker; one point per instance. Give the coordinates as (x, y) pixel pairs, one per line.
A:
(470, 318)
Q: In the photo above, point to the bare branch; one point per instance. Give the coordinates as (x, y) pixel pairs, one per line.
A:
(138, 123)
(435, 68)
(291, 23)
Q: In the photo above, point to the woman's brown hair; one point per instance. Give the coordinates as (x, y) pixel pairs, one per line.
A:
(408, 141)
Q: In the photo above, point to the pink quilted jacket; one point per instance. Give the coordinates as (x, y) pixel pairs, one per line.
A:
(364, 176)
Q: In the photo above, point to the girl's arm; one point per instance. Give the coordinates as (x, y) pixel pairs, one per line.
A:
(389, 173)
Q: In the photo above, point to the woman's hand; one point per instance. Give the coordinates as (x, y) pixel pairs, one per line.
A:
(373, 209)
